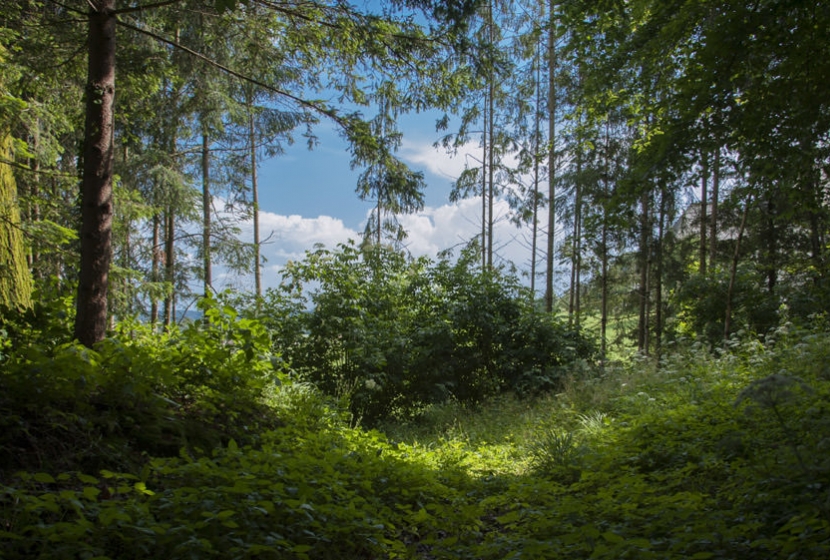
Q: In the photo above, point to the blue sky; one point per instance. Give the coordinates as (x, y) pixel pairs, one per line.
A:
(308, 197)
(317, 182)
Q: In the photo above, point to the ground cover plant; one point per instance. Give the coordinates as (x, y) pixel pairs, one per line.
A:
(707, 454)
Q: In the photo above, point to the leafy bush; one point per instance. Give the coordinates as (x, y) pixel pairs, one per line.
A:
(392, 335)
(138, 391)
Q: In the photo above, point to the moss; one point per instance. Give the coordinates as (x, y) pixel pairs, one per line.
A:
(15, 279)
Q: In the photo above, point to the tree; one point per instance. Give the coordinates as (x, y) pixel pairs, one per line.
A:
(96, 189)
(400, 47)
(15, 280)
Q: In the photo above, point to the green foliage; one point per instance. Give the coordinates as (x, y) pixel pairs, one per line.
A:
(137, 391)
(392, 335)
(702, 455)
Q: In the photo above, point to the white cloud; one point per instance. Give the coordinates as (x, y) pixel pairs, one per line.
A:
(284, 238)
(438, 161)
(453, 225)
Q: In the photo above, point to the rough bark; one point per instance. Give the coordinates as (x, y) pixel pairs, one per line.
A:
(96, 189)
(15, 280)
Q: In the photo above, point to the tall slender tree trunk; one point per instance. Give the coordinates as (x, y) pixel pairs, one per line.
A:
(491, 189)
(576, 258)
(727, 322)
(713, 219)
(156, 267)
(169, 264)
(658, 273)
(255, 199)
(645, 258)
(206, 216)
(704, 180)
(536, 142)
(771, 250)
(484, 191)
(96, 189)
(34, 212)
(603, 320)
(551, 157)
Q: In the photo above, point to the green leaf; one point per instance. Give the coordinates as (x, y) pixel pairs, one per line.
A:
(612, 537)
(141, 488)
(44, 478)
(91, 493)
(86, 479)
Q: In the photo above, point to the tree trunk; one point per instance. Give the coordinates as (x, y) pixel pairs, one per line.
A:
(704, 178)
(15, 279)
(603, 320)
(169, 264)
(491, 192)
(96, 189)
(576, 258)
(645, 258)
(727, 323)
(154, 302)
(255, 197)
(491, 100)
(34, 191)
(658, 288)
(713, 220)
(551, 157)
(536, 142)
(484, 193)
(206, 223)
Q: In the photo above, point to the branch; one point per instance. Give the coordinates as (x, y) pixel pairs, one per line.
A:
(330, 113)
(146, 7)
(28, 169)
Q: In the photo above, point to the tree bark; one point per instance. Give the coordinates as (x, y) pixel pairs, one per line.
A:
(206, 217)
(658, 287)
(713, 218)
(551, 157)
(645, 258)
(727, 323)
(96, 189)
(704, 178)
(15, 279)
(169, 265)
(484, 192)
(603, 320)
(255, 197)
(155, 274)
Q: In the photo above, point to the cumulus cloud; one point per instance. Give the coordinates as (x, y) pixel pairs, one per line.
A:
(284, 238)
(437, 160)
(436, 228)
(454, 225)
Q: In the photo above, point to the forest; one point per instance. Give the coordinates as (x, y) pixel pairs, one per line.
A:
(651, 381)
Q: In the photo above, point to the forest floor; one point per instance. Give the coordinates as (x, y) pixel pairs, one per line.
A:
(705, 455)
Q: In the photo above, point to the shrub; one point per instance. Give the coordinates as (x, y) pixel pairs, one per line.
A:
(392, 335)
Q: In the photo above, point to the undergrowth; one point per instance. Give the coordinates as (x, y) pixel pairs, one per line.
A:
(707, 454)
